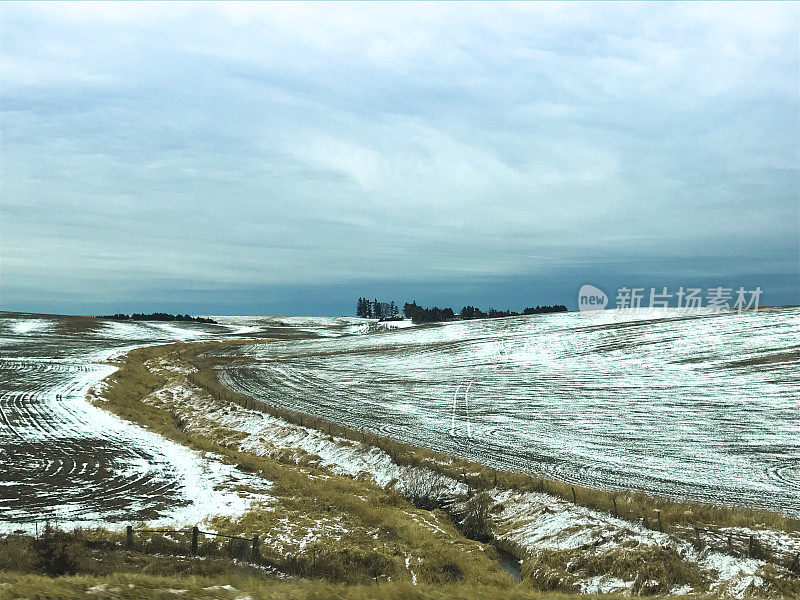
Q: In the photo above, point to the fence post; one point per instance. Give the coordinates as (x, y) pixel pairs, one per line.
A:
(129, 536)
(574, 497)
(616, 514)
(254, 554)
(750, 547)
(794, 566)
(195, 531)
(730, 543)
(660, 526)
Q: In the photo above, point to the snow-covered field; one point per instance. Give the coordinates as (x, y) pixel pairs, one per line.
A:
(530, 522)
(295, 327)
(699, 406)
(63, 460)
(702, 406)
(66, 461)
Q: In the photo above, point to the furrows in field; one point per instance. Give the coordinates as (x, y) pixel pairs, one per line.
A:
(64, 460)
(528, 522)
(674, 405)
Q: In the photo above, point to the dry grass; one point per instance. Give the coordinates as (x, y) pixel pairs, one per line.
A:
(146, 587)
(379, 531)
(652, 570)
(655, 512)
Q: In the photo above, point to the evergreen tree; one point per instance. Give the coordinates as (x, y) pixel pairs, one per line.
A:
(364, 307)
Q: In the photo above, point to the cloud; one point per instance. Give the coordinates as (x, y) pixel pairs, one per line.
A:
(280, 144)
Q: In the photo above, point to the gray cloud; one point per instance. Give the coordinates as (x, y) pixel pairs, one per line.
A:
(252, 147)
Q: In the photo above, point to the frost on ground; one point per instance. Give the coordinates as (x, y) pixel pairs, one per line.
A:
(535, 525)
(655, 401)
(66, 461)
(29, 326)
(83, 450)
(535, 522)
(269, 436)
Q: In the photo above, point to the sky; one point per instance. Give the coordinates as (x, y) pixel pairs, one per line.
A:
(288, 158)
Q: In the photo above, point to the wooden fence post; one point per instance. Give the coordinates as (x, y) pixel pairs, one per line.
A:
(254, 554)
(616, 514)
(195, 531)
(574, 496)
(129, 536)
(660, 526)
(750, 547)
(794, 566)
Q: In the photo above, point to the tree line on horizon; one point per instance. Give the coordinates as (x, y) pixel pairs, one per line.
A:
(419, 314)
(375, 309)
(157, 316)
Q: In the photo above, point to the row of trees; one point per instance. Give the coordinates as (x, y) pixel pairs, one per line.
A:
(538, 310)
(418, 314)
(156, 317)
(373, 309)
(471, 312)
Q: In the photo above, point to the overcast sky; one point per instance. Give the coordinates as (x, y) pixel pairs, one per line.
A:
(288, 158)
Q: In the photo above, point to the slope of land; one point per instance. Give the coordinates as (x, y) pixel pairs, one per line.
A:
(562, 546)
(341, 505)
(691, 405)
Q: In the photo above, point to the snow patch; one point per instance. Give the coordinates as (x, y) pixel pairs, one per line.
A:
(31, 326)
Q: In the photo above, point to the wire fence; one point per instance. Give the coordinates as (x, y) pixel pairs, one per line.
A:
(746, 546)
(247, 548)
(190, 541)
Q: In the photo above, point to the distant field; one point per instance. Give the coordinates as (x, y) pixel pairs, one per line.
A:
(700, 407)
(64, 460)
(161, 442)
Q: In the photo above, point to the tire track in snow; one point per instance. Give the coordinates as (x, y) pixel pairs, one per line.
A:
(668, 405)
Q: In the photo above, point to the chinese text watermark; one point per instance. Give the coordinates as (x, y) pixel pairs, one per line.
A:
(591, 297)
